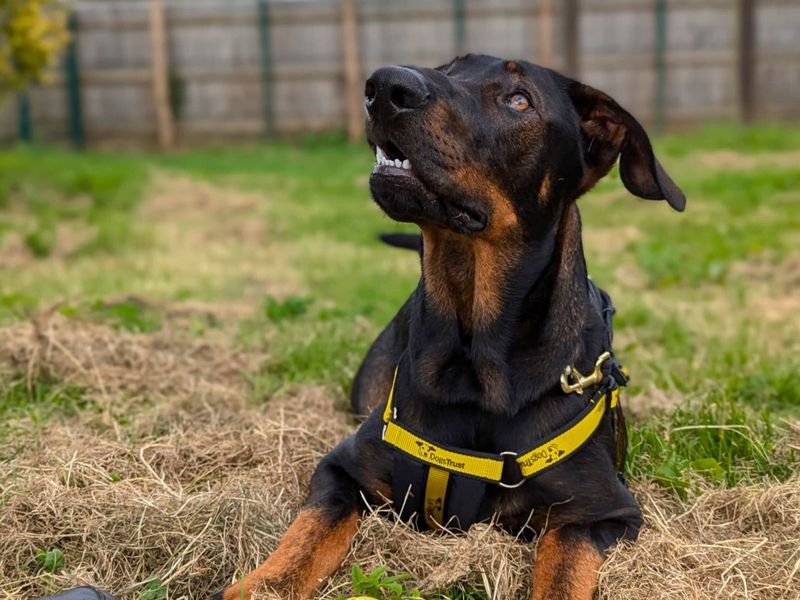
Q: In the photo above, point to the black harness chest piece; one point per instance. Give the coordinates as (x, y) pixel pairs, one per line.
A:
(446, 486)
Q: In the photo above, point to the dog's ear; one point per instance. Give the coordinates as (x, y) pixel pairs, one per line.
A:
(610, 131)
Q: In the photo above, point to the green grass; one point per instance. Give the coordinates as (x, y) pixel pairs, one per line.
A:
(43, 187)
(33, 403)
(129, 315)
(153, 591)
(50, 561)
(721, 442)
(689, 326)
(765, 138)
(381, 585)
(42, 397)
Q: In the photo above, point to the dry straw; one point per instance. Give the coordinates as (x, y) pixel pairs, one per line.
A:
(179, 477)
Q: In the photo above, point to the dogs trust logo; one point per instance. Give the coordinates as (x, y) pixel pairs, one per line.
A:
(428, 453)
(425, 450)
(549, 454)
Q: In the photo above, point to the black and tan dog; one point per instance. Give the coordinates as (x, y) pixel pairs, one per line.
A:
(472, 412)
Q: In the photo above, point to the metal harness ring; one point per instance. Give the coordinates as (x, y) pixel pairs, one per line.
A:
(510, 486)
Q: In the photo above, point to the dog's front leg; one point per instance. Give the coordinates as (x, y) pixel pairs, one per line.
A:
(566, 565)
(314, 545)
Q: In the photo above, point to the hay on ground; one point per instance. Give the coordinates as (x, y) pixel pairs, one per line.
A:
(199, 487)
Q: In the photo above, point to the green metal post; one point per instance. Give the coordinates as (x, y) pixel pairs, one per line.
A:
(265, 47)
(73, 80)
(459, 25)
(659, 64)
(24, 117)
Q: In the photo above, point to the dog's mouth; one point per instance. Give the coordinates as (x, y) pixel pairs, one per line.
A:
(392, 161)
(404, 195)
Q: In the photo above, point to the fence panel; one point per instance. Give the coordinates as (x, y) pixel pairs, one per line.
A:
(230, 78)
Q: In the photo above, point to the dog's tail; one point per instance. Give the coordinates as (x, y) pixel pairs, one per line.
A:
(409, 241)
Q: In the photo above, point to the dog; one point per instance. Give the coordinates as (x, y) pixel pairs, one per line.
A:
(477, 406)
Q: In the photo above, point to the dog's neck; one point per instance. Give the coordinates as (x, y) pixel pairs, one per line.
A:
(498, 319)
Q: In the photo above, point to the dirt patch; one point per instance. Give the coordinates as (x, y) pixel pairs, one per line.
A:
(653, 400)
(783, 276)
(64, 241)
(774, 288)
(609, 240)
(215, 234)
(202, 212)
(730, 160)
(106, 361)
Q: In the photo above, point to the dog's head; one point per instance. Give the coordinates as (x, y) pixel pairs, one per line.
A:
(483, 143)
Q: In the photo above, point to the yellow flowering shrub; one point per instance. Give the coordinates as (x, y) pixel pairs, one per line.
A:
(32, 34)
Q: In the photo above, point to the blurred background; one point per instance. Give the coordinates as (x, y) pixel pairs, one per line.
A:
(186, 71)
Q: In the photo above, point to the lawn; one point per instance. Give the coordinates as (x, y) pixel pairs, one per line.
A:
(178, 335)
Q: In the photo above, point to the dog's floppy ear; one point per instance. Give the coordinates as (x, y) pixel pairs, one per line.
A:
(610, 131)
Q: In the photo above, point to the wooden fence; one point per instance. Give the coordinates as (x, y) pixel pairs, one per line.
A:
(148, 71)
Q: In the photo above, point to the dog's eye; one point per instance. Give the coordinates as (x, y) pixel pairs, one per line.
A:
(519, 102)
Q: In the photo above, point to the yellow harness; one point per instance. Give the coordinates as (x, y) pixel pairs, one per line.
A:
(444, 461)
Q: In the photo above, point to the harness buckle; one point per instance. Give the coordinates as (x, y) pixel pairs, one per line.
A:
(581, 382)
(511, 486)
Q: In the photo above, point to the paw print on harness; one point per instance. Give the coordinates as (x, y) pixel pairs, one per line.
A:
(435, 505)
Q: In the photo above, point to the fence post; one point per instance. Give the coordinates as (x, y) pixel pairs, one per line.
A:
(73, 81)
(546, 53)
(659, 64)
(747, 59)
(24, 125)
(352, 70)
(265, 59)
(459, 26)
(160, 75)
(570, 19)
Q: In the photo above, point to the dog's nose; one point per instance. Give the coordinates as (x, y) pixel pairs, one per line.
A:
(392, 90)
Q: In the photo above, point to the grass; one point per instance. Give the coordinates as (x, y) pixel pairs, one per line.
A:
(720, 442)
(383, 586)
(313, 200)
(42, 189)
(271, 251)
(39, 399)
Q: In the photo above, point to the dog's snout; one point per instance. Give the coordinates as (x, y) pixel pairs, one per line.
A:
(391, 90)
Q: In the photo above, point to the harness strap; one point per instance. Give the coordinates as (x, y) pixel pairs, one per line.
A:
(482, 466)
(491, 467)
(570, 439)
(435, 496)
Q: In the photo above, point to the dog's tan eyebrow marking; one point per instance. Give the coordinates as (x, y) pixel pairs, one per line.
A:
(513, 67)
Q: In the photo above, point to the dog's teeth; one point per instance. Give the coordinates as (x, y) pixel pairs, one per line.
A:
(379, 155)
(406, 164)
(397, 163)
